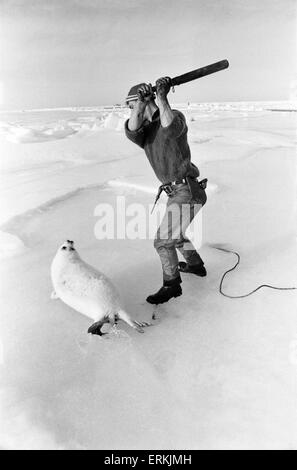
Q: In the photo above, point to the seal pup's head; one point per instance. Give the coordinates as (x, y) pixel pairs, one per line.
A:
(67, 250)
(68, 245)
(66, 255)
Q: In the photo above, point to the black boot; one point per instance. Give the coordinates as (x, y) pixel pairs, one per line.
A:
(197, 269)
(168, 291)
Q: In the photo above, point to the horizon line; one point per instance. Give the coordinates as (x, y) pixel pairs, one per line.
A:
(118, 105)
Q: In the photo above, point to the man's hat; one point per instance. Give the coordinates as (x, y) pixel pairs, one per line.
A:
(132, 95)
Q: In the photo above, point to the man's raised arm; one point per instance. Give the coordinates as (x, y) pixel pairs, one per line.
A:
(162, 88)
(172, 122)
(144, 95)
(136, 118)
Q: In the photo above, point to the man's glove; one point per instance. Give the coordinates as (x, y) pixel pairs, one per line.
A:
(163, 86)
(145, 93)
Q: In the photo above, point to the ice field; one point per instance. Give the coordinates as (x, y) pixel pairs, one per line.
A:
(211, 373)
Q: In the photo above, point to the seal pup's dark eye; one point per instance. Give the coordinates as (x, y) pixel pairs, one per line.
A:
(64, 248)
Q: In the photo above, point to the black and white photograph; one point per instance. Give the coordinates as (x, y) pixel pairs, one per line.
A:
(148, 227)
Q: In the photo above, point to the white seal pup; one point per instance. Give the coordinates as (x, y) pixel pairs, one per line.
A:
(87, 290)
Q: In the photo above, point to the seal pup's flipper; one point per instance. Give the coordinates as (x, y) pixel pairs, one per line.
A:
(95, 329)
(135, 324)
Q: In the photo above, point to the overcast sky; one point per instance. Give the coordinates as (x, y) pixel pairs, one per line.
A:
(90, 52)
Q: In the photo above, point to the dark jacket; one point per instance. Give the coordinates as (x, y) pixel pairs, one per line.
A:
(166, 147)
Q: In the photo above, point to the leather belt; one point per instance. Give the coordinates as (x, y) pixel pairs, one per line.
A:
(182, 181)
(168, 188)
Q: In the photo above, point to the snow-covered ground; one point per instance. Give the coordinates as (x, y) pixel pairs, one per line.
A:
(211, 372)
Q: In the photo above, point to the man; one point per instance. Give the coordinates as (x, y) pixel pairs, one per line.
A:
(162, 133)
